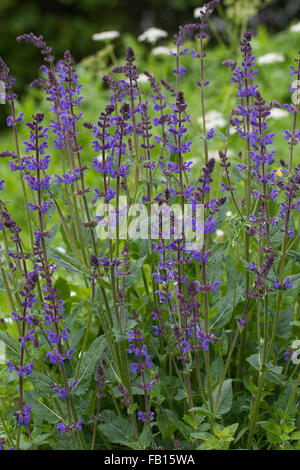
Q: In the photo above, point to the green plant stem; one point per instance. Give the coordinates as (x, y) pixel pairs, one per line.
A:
(293, 396)
(202, 100)
(21, 173)
(255, 409)
(87, 330)
(8, 436)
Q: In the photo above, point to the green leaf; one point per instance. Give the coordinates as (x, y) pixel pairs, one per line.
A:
(41, 382)
(180, 394)
(52, 233)
(225, 310)
(254, 361)
(202, 411)
(103, 283)
(284, 399)
(145, 438)
(135, 271)
(42, 439)
(276, 233)
(217, 368)
(215, 266)
(165, 426)
(173, 418)
(89, 361)
(271, 427)
(220, 215)
(116, 430)
(66, 262)
(274, 373)
(294, 255)
(12, 348)
(40, 411)
(63, 288)
(221, 135)
(225, 401)
(284, 328)
(201, 435)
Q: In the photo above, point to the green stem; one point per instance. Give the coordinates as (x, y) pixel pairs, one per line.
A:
(255, 409)
(8, 436)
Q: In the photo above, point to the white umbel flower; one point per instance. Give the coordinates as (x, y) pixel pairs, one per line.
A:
(106, 35)
(270, 58)
(198, 12)
(219, 233)
(277, 113)
(213, 119)
(152, 35)
(295, 28)
(142, 78)
(160, 50)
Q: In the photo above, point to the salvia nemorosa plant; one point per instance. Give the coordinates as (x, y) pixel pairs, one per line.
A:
(121, 332)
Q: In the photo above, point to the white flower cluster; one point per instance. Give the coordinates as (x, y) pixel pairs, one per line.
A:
(106, 36)
(200, 11)
(270, 58)
(277, 113)
(295, 28)
(152, 35)
(213, 119)
(162, 50)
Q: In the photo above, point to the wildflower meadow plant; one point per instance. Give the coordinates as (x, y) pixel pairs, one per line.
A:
(138, 339)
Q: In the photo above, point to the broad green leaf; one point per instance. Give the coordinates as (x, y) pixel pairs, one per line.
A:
(40, 411)
(116, 430)
(173, 418)
(41, 382)
(225, 401)
(12, 347)
(89, 362)
(66, 262)
(135, 271)
(254, 361)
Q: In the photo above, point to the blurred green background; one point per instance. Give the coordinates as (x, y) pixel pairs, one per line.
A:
(70, 24)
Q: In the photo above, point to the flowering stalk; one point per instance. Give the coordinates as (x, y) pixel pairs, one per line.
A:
(13, 121)
(295, 110)
(291, 192)
(25, 318)
(51, 305)
(243, 77)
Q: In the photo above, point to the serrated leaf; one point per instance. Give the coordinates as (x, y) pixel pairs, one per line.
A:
(135, 271)
(254, 361)
(225, 400)
(284, 328)
(52, 233)
(173, 418)
(41, 382)
(66, 262)
(12, 348)
(63, 288)
(40, 410)
(116, 430)
(89, 361)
